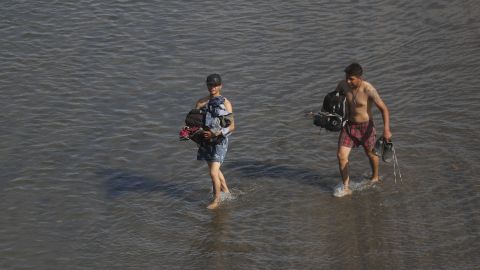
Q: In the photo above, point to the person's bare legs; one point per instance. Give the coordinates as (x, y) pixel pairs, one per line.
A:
(342, 154)
(224, 187)
(216, 183)
(374, 160)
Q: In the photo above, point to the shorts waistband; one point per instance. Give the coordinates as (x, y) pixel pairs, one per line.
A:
(360, 123)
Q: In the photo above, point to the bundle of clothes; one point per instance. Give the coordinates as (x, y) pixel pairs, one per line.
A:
(213, 117)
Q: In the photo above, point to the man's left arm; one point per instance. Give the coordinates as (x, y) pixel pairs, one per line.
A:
(373, 93)
(228, 130)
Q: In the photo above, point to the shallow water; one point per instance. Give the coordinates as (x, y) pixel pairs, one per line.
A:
(94, 94)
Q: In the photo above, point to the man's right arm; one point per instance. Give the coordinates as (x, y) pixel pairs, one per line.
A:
(201, 103)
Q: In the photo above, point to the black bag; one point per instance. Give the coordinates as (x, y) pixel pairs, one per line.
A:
(194, 126)
(195, 118)
(333, 114)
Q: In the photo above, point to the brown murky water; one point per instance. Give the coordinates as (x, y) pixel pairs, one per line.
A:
(93, 96)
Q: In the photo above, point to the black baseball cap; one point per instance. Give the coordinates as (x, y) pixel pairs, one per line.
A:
(214, 79)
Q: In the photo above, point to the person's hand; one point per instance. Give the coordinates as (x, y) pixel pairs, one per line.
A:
(387, 135)
(208, 134)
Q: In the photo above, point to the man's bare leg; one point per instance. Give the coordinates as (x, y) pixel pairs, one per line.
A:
(342, 155)
(224, 187)
(374, 160)
(216, 183)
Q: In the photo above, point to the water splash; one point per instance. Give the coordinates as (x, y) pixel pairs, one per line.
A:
(338, 191)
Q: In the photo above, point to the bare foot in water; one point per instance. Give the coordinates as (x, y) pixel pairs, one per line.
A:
(342, 192)
(213, 205)
(374, 181)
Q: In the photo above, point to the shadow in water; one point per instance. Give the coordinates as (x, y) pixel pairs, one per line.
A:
(301, 175)
(118, 182)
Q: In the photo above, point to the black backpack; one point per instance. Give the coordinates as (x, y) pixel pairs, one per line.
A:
(333, 114)
(195, 118)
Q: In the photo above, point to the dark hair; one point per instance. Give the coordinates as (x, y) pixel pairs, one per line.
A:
(354, 69)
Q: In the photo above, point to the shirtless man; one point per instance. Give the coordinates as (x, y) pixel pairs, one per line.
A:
(360, 129)
(214, 153)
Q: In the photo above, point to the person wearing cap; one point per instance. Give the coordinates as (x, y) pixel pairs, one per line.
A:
(215, 145)
(359, 129)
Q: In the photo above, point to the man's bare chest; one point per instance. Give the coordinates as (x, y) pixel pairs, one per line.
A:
(357, 97)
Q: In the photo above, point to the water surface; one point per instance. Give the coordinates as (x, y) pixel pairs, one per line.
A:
(94, 93)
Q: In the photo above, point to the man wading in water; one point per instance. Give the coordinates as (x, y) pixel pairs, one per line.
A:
(359, 128)
(215, 144)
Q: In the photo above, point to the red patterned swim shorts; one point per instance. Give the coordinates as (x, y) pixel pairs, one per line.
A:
(356, 134)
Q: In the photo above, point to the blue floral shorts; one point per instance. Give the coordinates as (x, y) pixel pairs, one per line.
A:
(213, 152)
